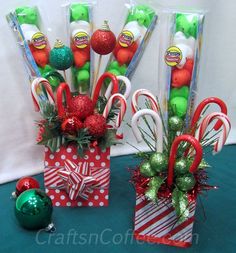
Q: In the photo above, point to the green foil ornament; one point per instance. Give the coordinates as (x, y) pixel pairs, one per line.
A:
(179, 106)
(181, 166)
(33, 210)
(61, 56)
(186, 183)
(79, 12)
(146, 170)
(158, 162)
(27, 15)
(175, 123)
(179, 92)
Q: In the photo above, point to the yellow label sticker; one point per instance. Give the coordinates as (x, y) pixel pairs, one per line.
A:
(126, 38)
(81, 39)
(173, 56)
(39, 40)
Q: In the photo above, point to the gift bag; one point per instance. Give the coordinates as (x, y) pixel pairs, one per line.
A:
(98, 162)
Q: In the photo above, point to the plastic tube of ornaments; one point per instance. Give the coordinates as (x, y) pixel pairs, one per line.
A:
(123, 107)
(146, 93)
(158, 126)
(223, 118)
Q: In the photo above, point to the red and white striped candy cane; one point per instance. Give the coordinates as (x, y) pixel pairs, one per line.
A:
(223, 118)
(146, 93)
(173, 153)
(158, 126)
(200, 108)
(63, 87)
(41, 97)
(127, 83)
(122, 105)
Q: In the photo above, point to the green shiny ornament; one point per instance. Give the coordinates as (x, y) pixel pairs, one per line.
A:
(27, 15)
(181, 166)
(158, 162)
(182, 24)
(61, 56)
(179, 92)
(33, 209)
(186, 183)
(86, 66)
(54, 78)
(79, 12)
(179, 106)
(153, 187)
(82, 76)
(175, 123)
(54, 82)
(146, 170)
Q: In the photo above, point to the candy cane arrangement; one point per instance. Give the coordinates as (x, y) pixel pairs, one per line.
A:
(172, 175)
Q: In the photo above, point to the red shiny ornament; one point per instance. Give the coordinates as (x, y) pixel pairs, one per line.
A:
(81, 106)
(71, 125)
(41, 57)
(189, 65)
(80, 58)
(180, 77)
(124, 56)
(25, 183)
(96, 125)
(103, 41)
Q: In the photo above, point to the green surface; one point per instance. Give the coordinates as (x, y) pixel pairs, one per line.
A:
(108, 229)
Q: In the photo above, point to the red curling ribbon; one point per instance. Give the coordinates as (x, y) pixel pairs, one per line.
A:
(202, 105)
(114, 80)
(63, 87)
(174, 148)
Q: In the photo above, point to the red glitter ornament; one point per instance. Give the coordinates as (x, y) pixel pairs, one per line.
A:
(25, 183)
(81, 106)
(71, 125)
(180, 77)
(96, 125)
(103, 40)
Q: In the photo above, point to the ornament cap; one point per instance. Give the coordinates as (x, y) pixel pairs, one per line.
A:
(58, 44)
(105, 26)
(50, 228)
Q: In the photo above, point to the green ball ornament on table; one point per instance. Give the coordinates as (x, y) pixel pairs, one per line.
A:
(181, 166)
(146, 170)
(61, 56)
(158, 162)
(33, 210)
(179, 106)
(175, 123)
(186, 182)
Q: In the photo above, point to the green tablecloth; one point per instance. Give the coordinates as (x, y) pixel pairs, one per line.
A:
(109, 229)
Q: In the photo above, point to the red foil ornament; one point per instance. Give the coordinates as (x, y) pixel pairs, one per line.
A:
(25, 183)
(103, 41)
(96, 125)
(71, 125)
(180, 77)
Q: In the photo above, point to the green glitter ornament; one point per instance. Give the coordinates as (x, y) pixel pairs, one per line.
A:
(181, 166)
(79, 12)
(186, 183)
(179, 106)
(179, 92)
(61, 56)
(153, 187)
(27, 15)
(175, 123)
(158, 162)
(146, 170)
(33, 209)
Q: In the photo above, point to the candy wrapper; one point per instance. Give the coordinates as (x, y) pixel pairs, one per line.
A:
(28, 29)
(132, 40)
(78, 132)
(174, 172)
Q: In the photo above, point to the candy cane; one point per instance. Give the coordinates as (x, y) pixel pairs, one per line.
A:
(146, 93)
(201, 107)
(100, 83)
(173, 152)
(223, 135)
(37, 82)
(123, 107)
(127, 83)
(62, 87)
(158, 127)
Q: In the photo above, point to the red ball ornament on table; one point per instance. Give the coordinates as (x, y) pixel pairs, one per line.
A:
(71, 125)
(25, 183)
(103, 40)
(96, 125)
(180, 77)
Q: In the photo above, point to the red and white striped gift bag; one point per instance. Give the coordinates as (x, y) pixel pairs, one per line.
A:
(158, 223)
(94, 156)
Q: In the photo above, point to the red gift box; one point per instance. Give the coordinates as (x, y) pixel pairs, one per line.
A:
(54, 162)
(158, 222)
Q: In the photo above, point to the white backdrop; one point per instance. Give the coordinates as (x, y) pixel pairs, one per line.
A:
(19, 154)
